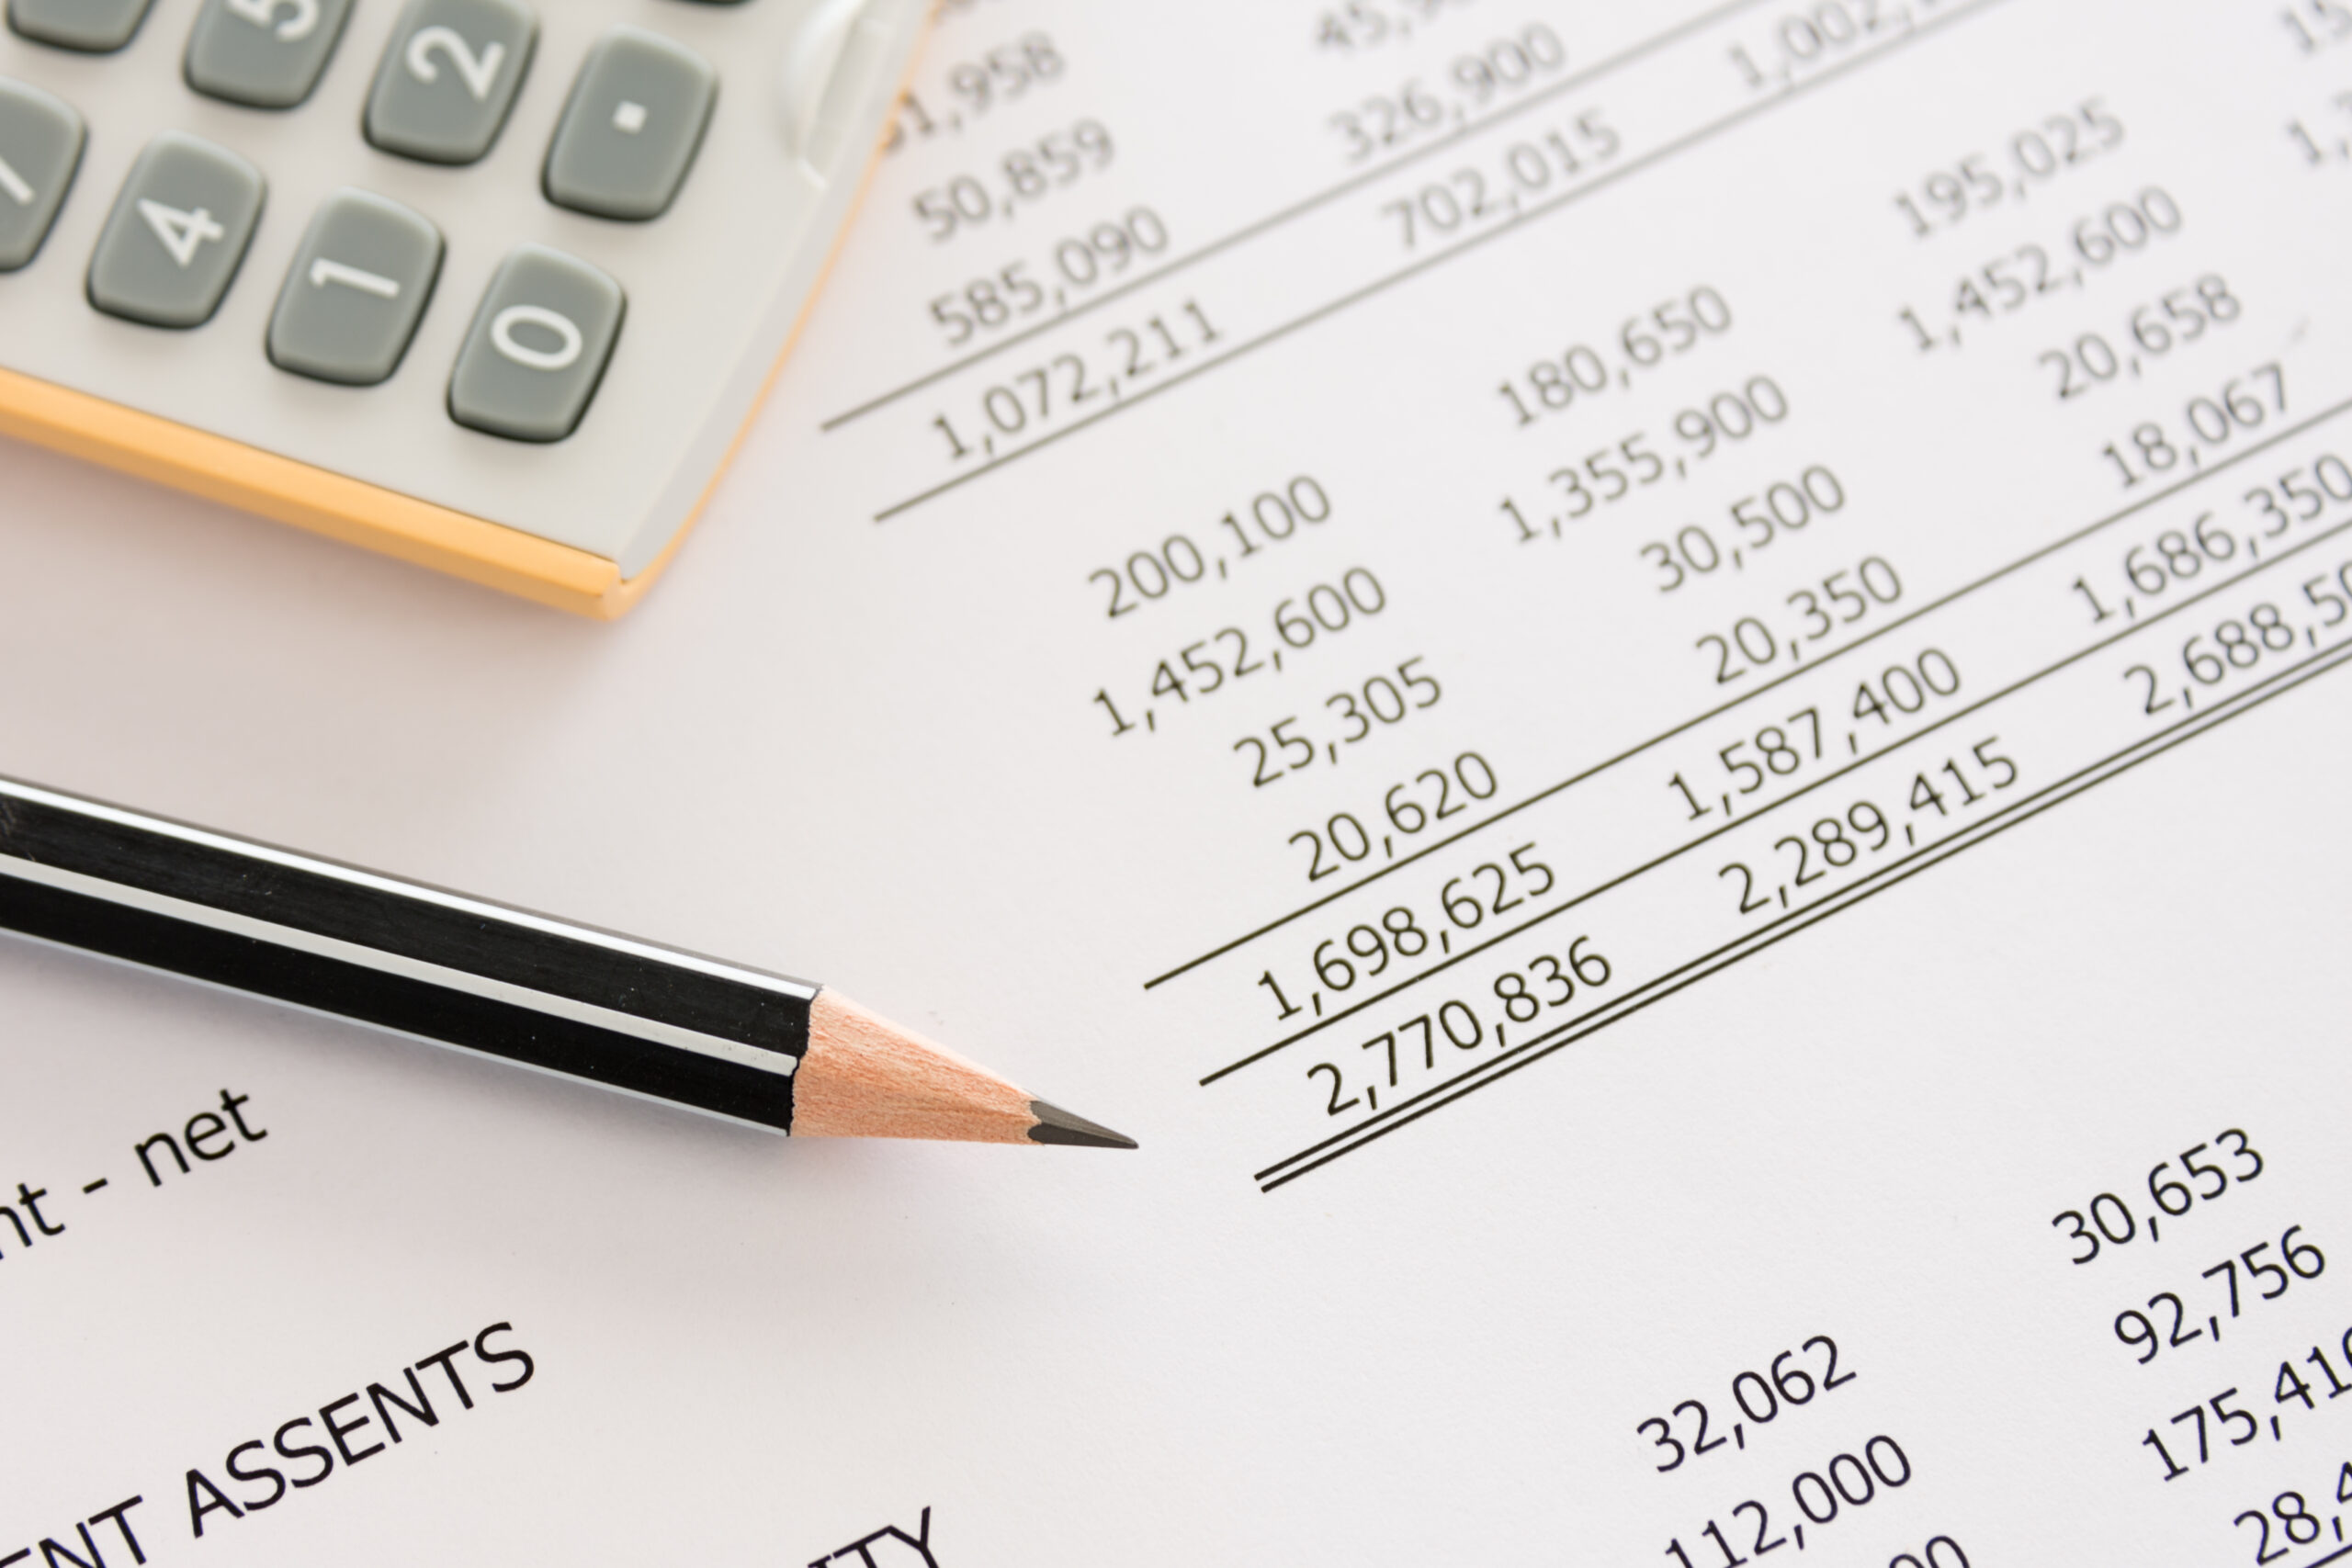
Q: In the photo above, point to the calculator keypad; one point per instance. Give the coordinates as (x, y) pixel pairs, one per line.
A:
(448, 77)
(401, 242)
(41, 146)
(177, 232)
(94, 26)
(265, 54)
(538, 347)
(358, 285)
(632, 127)
(352, 299)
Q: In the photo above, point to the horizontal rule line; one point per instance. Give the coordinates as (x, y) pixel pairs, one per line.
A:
(1652, 742)
(1599, 182)
(1759, 813)
(2049, 796)
(1301, 207)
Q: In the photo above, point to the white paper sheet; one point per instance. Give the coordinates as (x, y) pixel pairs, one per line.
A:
(869, 729)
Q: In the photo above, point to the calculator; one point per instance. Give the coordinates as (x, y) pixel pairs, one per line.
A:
(488, 285)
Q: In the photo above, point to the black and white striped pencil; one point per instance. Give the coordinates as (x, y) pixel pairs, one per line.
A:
(629, 1015)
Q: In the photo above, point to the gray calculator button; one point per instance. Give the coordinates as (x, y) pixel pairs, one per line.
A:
(448, 77)
(265, 54)
(538, 347)
(351, 300)
(96, 27)
(630, 132)
(41, 146)
(177, 234)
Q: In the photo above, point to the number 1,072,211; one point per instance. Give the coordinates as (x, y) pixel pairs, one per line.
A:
(1033, 400)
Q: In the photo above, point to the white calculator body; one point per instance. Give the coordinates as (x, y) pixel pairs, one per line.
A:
(489, 285)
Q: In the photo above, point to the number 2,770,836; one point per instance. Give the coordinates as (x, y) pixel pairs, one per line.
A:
(1524, 995)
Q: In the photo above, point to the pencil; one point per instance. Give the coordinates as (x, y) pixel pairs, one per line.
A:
(631, 1016)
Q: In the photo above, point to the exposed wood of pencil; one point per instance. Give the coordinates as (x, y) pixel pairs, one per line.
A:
(866, 1077)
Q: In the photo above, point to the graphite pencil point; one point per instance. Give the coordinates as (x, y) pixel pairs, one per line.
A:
(865, 1076)
(1056, 1125)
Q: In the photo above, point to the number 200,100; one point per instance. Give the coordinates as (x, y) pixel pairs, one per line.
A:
(1179, 562)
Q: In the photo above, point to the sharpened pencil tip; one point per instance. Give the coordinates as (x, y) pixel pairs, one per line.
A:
(1056, 1125)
